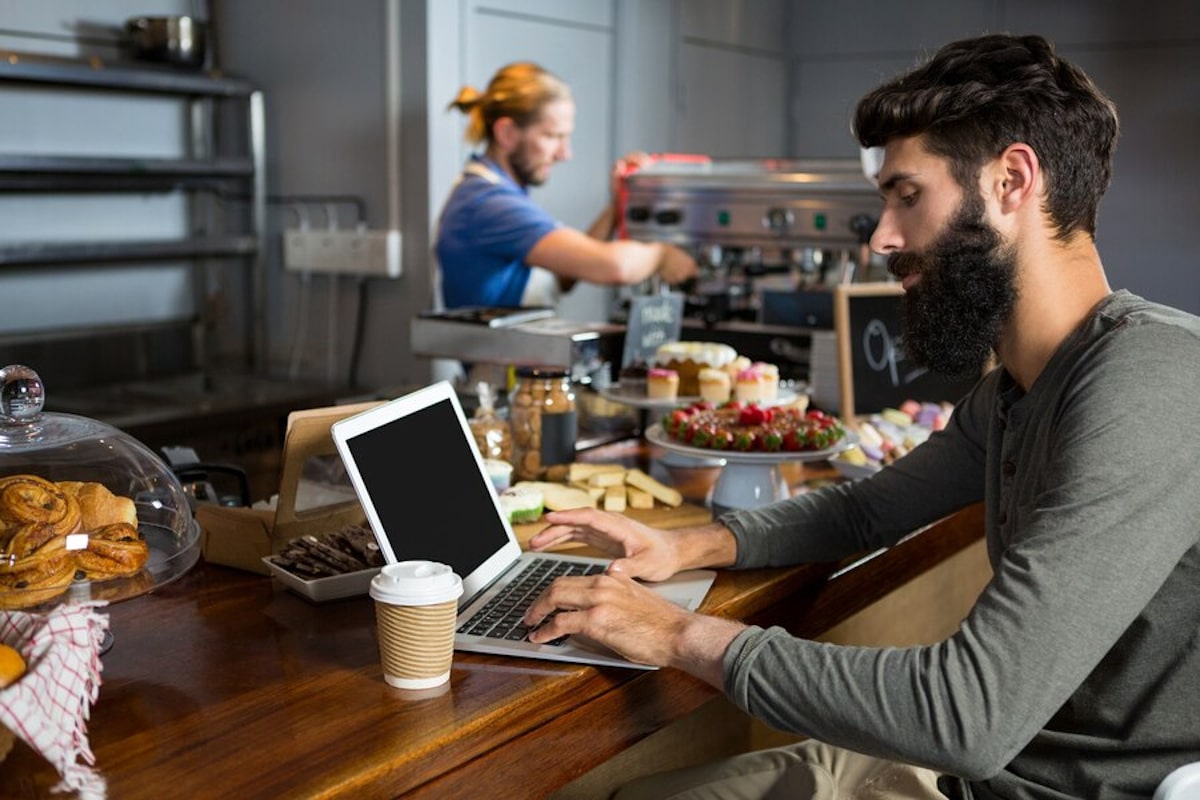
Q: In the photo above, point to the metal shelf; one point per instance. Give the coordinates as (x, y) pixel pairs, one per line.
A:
(203, 171)
(34, 253)
(95, 73)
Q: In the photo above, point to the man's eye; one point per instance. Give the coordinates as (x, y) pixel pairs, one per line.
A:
(909, 199)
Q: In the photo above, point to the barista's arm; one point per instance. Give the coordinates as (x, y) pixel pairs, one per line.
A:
(573, 255)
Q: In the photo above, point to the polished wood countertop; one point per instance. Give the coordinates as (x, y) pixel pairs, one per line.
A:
(223, 684)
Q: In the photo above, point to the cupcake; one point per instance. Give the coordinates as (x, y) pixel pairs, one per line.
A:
(715, 385)
(750, 385)
(662, 384)
(770, 380)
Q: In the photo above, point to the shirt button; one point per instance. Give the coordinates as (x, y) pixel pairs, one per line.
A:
(1002, 518)
(1008, 469)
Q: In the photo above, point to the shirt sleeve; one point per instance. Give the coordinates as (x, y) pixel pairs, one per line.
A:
(1111, 513)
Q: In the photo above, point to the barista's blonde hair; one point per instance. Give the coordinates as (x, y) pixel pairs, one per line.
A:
(519, 91)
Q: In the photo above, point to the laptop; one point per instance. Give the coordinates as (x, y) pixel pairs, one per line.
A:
(422, 483)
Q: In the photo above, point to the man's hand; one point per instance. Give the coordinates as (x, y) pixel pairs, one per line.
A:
(640, 551)
(627, 617)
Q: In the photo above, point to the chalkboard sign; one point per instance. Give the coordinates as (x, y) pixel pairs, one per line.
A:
(873, 373)
(653, 320)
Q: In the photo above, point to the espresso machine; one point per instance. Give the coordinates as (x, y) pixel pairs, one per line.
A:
(772, 237)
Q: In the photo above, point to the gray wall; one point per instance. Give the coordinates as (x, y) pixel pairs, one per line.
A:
(729, 78)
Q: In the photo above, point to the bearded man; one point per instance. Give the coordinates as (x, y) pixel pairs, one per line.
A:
(1077, 672)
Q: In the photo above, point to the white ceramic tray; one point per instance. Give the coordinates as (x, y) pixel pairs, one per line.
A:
(320, 590)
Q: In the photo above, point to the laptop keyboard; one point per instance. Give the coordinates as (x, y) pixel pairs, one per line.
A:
(501, 617)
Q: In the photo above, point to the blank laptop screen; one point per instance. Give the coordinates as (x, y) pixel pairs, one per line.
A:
(431, 497)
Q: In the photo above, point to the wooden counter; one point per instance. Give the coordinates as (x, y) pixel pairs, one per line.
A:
(222, 684)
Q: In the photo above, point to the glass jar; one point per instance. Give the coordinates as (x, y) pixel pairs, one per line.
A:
(491, 431)
(541, 411)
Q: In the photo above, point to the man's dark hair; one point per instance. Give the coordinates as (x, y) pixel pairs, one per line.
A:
(975, 97)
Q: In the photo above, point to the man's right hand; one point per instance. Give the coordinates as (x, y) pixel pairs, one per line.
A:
(676, 265)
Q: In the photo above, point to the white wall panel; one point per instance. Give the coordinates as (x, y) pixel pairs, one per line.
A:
(734, 104)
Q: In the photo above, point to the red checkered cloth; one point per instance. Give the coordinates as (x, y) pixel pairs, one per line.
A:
(49, 706)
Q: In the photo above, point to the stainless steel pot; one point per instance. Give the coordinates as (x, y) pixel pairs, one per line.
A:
(175, 40)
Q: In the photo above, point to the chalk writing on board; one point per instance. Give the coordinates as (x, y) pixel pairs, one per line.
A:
(885, 353)
(653, 321)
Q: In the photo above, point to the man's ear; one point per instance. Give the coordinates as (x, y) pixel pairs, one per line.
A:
(1017, 177)
(505, 133)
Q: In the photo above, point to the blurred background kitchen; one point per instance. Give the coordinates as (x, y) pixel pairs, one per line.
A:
(147, 198)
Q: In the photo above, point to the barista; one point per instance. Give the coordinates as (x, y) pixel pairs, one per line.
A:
(495, 246)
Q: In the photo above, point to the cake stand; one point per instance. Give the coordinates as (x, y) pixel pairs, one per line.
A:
(747, 480)
(636, 397)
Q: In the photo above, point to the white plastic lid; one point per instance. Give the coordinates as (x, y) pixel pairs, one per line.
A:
(416, 583)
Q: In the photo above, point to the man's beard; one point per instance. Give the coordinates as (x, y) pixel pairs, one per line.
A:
(967, 289)
(524, 169)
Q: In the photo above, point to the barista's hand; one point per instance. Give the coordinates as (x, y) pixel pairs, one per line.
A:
(676, 265)
(629, 618)
(641, 551)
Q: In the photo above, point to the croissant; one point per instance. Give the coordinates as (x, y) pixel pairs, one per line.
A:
(98, 506)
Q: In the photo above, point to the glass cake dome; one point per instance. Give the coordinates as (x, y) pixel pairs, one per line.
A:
(87, 512)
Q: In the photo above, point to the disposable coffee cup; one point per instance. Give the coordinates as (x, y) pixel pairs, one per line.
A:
(416, 604)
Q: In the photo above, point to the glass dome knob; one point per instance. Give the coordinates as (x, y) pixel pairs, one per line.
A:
(22, 394)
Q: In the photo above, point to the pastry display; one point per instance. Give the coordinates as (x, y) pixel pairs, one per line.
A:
(42, 551)
(752, 428)
(662, 384)
(688, 358)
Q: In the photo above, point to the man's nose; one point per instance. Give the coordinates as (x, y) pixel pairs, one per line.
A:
(886, 239)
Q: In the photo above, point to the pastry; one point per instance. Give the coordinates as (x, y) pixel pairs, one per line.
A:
(40, 553)
(38, 577)
(98, 506)
(29, 498)
(715, 385)
(688, 358)
(115, 550)
(662, 384)
(522, 504)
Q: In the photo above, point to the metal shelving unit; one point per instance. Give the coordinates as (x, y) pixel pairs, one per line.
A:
(204, 173)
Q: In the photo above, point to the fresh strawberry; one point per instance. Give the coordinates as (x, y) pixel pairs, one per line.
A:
(754, 415)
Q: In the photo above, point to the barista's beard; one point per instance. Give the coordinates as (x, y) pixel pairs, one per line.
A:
(523, 169)
(954, 314)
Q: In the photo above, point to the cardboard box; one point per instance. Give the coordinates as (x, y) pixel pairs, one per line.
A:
(242, 537)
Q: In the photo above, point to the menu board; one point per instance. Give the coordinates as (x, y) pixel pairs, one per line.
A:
(654, 320)
(873, 372)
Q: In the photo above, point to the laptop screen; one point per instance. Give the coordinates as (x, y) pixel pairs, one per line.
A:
(431, 498)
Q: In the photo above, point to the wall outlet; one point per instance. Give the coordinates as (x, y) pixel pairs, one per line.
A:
(343, 252)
